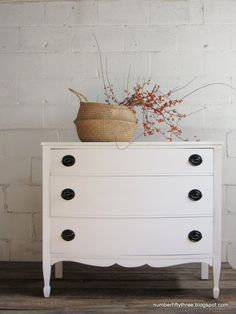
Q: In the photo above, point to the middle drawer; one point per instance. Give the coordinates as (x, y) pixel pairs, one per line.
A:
(131, 196)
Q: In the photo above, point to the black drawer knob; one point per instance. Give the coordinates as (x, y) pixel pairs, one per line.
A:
(195, 236)
(68, 160)
(195, 195)
(195, 160)
(67, 194)
(68, 235)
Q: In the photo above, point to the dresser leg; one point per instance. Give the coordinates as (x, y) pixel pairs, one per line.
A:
(59, 270)
(216, 278)
(46, 277)
(204, 271)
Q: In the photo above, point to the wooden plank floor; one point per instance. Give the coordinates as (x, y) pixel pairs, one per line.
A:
(88, 289)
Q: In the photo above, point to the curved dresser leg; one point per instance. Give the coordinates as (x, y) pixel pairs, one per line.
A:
(46, 277)
(216, 278)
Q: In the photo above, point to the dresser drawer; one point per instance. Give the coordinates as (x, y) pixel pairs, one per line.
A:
(135, 161)
(129, 236)
(128, 196)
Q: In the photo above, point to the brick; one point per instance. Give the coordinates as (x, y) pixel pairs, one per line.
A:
(25, 250)
(225, 113)
(233, 36)
(69, 136)
(9, 39)
(219, 12)
(123, 12)
(23, 198)
(110, 38)
(61, 117)
(14, 226)
(176, 12)
(93, 89)
(204, 134)
(230, 199)
(82, 65)
(4, 250)
(224, 251)
(16, 14)
(118, 64)
(14, 170)
(23, 143)
(90, 88)
(195, 116)
(71, 12)
(231, 143)
(150, 38)
(203, 37)
(37, 226)
(42, 91)
(21, 65)
(2, 199)
(1, 145)
(215, 94)
(21, 116)
(229, 171)
(175, 64)
(36, 170)
(229, 230)
(233, 91)
(8, 92)
(231, 252)
(220, 63)
(44, 38)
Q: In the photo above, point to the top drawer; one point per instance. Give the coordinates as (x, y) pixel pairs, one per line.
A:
(131, 161)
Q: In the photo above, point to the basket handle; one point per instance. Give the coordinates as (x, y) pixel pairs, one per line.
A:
(79, 95)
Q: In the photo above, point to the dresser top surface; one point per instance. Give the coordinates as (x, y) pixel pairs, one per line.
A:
(123, 145)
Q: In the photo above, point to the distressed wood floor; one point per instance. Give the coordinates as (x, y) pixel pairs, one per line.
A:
(88, 289)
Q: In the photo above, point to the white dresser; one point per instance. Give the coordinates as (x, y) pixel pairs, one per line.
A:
(145, 203)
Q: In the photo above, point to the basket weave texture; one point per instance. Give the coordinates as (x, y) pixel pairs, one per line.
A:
(98, 122)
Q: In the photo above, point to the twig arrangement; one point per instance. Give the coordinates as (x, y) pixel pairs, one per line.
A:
(158, 109)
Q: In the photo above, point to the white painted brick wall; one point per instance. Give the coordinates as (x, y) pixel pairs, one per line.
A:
(36, 171)
(25, 144)
(123, 12)
(16, 14)
(44, 91)
(16, 65)
(150, 38)
(48, 46)
(21, 116)
(9, 39)
(8, 92)
(14, 170)
(15, 226)
(71, 12)
(83, 40)
(80, 65)
(2, 198)
(204, 37)
(44, 38)
(23, 198)
(176, 12)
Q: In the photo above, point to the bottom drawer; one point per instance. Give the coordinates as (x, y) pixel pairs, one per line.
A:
(106, 237)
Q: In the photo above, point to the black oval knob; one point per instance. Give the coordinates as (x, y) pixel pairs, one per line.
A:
(195, 160)
(67, 194)
(195, 195)
(195, 236)
(68, 235)
(68, 160)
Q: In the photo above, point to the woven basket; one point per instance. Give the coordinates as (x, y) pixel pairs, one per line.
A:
(98, 122)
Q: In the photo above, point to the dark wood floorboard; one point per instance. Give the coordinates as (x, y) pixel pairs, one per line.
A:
(115, 289)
